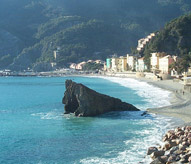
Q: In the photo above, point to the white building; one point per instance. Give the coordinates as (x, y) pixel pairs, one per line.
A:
(55, 54)
(80, 66)
(140, 65)
(155, 60)
(114, 63)
(73, 66)
(131, 61)
(142, 42)
(165, 62)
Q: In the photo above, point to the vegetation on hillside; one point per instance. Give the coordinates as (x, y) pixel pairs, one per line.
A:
(174, 39)
(83, 30)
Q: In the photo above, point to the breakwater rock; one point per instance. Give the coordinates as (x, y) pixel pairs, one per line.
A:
(176, 148)
(83, 101)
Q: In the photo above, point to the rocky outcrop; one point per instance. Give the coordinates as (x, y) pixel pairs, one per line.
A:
(176, 148)
(82, 101)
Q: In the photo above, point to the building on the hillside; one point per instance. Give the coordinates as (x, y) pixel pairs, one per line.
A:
(98, 61)
(154, 60)
(53, 64)
(79, 66)
(165, 62)
(131, 61)
(90, 61)
(55, 54)
(140, 65)
(142, 42)
(122, 64)
(73, 66)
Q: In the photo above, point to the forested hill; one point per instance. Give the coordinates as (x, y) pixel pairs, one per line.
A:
(30, 30)
(174, 38)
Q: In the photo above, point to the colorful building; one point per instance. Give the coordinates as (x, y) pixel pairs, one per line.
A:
(108, 63)
(122, 64)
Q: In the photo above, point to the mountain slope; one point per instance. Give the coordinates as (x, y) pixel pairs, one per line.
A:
(175, 38)
(83, 29)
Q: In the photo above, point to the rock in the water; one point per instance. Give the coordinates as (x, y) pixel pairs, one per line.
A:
(82, 101)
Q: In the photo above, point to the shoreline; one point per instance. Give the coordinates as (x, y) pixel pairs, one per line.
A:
(180, 104)
(180, 107)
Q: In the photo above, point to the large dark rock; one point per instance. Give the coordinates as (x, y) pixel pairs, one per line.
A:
(82, 101)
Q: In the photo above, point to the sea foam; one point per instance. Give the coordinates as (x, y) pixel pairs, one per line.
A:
(52, 115)
(137, 146)
(154, 96)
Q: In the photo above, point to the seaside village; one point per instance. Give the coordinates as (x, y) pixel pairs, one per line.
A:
(133, 65)
(159, 63)
(130, 65)
(160, 66)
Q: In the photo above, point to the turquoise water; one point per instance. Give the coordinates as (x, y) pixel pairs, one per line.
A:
(33, 128)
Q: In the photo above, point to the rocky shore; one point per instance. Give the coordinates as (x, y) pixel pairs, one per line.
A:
(176, 148)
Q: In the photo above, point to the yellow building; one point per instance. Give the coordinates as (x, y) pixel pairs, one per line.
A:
(122, 64)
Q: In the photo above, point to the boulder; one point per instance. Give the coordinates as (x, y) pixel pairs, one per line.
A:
(163, 159)
(172, 158)
(174, 149)
(156, 161)
(83, 101)
(157, 154)
(151, 150)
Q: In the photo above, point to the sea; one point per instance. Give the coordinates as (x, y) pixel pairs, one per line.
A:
(34, 130)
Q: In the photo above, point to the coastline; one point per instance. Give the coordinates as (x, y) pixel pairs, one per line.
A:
(180, 107)
(162, 121)
(180, 102)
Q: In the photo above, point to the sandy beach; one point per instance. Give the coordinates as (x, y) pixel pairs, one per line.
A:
(181, 102)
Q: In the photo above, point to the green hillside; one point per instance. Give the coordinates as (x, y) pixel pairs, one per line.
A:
(30, 30)
(174, 39)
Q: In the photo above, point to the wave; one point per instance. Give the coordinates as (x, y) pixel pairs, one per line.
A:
(137, 146)
(52, 115)
(154, 96)
(150, 136)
